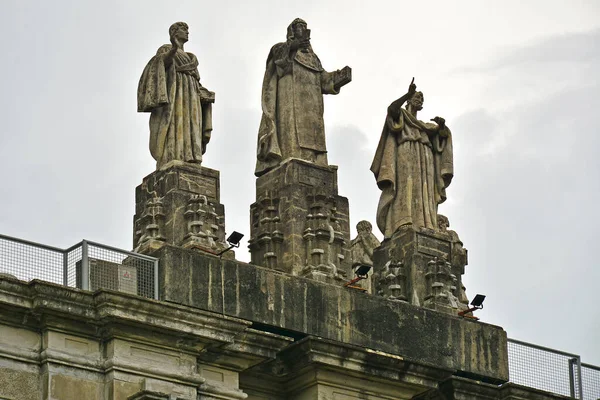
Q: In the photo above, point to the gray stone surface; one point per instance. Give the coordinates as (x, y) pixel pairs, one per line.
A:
(415, 266)
(413, 166)
(330, 311)
(299, 224)
(180, 107)
(67, 344)
(180, 205)
(458, 258)
(292, 102)
(363, 245)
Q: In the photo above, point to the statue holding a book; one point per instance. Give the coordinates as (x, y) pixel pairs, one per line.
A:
(292, 102)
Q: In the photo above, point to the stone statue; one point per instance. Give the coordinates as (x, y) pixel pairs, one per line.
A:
(458, 258)
(292, 102)
(412, 165)
(180, 107)
(363, 245)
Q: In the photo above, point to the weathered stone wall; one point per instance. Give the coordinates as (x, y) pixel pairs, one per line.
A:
(333, 312)
(297, 339)
(65, 344)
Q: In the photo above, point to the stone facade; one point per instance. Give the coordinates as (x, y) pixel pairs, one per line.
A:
(179, 205)
(241, 332)
(299, 224)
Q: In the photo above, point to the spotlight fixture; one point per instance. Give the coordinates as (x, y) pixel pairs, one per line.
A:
(233, 240)
(477, 304)
(361, 272)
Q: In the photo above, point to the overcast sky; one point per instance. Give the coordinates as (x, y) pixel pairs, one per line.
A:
(517, 82)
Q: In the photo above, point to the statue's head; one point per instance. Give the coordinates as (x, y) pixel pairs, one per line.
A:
(364, 227)
(180, 31)
(443, 222)
(416, 101)
(296, 28)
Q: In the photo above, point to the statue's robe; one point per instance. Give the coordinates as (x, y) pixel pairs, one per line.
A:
(412, 170)
(181, 113)
(292, 103)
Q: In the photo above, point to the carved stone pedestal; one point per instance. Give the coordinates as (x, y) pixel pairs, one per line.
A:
(422, 267)
(179, 205)
(299, 223)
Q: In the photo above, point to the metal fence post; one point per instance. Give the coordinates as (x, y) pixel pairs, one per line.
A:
(156, 280)
(572, 376)
(580, 378)
(65, 255)
(85, 266)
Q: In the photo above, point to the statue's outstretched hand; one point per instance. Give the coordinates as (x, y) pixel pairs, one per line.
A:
(412, 88)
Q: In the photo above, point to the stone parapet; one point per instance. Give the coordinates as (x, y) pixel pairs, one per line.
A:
(303, 307)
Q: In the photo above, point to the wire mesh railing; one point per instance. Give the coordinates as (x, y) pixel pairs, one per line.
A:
(86, 265)
(552, 371)
(590, 378)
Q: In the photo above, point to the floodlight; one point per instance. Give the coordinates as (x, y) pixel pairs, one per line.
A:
(361, 273)
(233, 240)
(477, 304)
(478, 301)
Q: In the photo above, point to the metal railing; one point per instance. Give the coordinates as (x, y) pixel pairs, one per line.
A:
(552, 370)
(86, 265)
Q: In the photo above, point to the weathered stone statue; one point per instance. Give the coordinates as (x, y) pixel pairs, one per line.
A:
(180, 107)
(458, 259)
(292, 102)
(412, 165)
(362, 246)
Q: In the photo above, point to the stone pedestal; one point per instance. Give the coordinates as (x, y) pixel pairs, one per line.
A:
(179, 205)
(422, 267)
(299, 223)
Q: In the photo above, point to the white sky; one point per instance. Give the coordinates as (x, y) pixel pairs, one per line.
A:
(518, 84)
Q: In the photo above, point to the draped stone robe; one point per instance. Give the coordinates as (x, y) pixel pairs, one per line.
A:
(292, 104)
(181, 112)
(412, 169)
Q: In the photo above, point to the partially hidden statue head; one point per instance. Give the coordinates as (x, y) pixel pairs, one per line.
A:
(364, 227)
(296, 29)
(443, 223)
(180, 31)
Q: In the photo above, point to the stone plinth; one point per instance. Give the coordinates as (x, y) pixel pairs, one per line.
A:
(422, 267)
(179, 205)
(299, 223)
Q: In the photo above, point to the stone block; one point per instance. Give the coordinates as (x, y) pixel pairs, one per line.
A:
(219, 376)
(16, 384)
(179, 205)
(74, 345)
(303, 307)
(64, 387)
(299, 224)
(420, 266)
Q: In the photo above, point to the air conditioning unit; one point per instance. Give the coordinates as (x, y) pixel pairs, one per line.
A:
(109, 275)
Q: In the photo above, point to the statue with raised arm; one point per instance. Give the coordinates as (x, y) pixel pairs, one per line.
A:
(413, 166)
(292, 102)
(180, 107)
